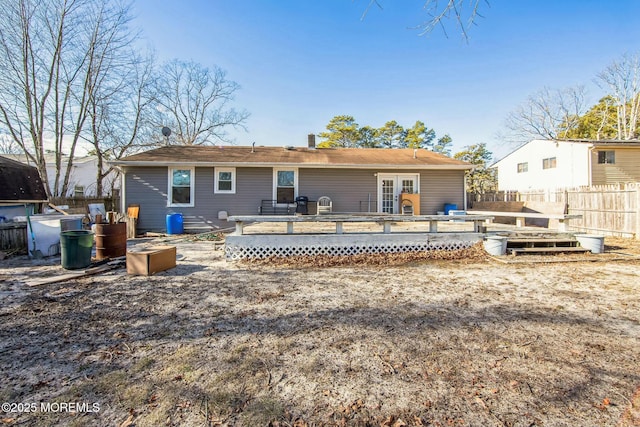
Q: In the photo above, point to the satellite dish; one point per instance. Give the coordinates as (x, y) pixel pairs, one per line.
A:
(166, 131)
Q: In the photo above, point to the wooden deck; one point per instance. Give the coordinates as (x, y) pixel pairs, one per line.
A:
(563, 219)
(340, 219)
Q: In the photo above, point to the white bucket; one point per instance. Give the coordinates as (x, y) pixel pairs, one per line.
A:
(593, 242)
(495, 245)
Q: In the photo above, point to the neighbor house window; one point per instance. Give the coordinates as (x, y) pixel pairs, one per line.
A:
(225, 181)
(523, 167)
(606, 157)
(78, 191)
(549, 163)
(285, 181)
(181, 186)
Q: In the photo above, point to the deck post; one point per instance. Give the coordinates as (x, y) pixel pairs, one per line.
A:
(289, 227)
(338, 227)
(239, 228)
(386, 227)
(562, 225)
(433, 226)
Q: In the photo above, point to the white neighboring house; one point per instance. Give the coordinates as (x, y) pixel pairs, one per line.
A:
(550, 164)
(82, 181)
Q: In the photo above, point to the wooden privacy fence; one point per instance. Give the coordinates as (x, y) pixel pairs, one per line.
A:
(79, 204)
(612, 210)
(13, 237)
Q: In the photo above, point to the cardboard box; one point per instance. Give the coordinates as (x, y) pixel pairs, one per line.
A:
(151, 260)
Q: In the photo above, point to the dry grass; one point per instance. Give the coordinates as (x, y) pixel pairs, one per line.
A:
(387, 341)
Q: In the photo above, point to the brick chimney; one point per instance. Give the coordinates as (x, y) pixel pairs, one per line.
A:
(311, 139)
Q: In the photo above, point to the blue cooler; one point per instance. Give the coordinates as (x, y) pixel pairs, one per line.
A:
(449, 207)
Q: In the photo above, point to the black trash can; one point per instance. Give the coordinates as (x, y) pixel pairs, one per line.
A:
(302, 205)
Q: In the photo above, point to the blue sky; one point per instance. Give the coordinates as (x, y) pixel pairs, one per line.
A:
(301, 62)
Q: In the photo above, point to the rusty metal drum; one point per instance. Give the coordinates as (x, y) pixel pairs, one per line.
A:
(111, 240)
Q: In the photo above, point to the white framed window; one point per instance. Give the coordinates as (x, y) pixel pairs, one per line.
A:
(78, 191)
(285, 185)
(224, 181)
(523, 167)
(549, 163)
(606, 157)
(181, 187)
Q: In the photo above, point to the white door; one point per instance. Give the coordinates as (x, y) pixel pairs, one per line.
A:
(390, 186)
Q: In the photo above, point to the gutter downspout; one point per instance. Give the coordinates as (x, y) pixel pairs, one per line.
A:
(464, 190)
(123, 192)
(590, 165)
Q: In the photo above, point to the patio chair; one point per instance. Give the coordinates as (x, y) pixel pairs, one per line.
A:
(325, 205)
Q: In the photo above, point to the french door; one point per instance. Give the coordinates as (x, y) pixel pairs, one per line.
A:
(390, 186)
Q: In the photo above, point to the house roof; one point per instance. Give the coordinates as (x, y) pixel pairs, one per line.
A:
(379, 158)
(20, 183)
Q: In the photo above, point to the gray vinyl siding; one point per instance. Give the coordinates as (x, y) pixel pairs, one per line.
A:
(440, 187)
(349, 189)
(147, 186)
(346, 188)
(625, 169)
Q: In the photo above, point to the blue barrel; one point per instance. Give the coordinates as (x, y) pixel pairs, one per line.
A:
(450, 207)
(174, 223)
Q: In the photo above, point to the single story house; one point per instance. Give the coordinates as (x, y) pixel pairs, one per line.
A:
(20, 188)
(208, 183)
(551, 164)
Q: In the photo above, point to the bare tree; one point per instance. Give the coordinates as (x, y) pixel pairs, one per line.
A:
(463, 13)
(195, 103)
(32, 44)
(622, 80)
(117, 114)
(118, 89)
(8, 145)
(547, 114)
(56, 54)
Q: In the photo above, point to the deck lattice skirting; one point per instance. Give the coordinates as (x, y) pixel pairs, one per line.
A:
(285, 245)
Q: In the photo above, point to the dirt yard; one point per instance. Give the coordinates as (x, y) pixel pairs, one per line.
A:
(470, 342)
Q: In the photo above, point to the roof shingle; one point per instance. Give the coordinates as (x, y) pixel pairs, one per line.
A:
(302, 156)
(20, 182)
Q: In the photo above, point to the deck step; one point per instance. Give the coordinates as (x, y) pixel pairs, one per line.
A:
(537, 244)
(541, 240)
(543, 250)
(196, 225)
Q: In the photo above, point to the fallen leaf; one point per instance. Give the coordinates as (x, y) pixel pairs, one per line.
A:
(387, 422)
(480, 402)
(300, 423)
(128, 422)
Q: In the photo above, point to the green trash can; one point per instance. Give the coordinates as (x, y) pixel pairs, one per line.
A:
(75, 248)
